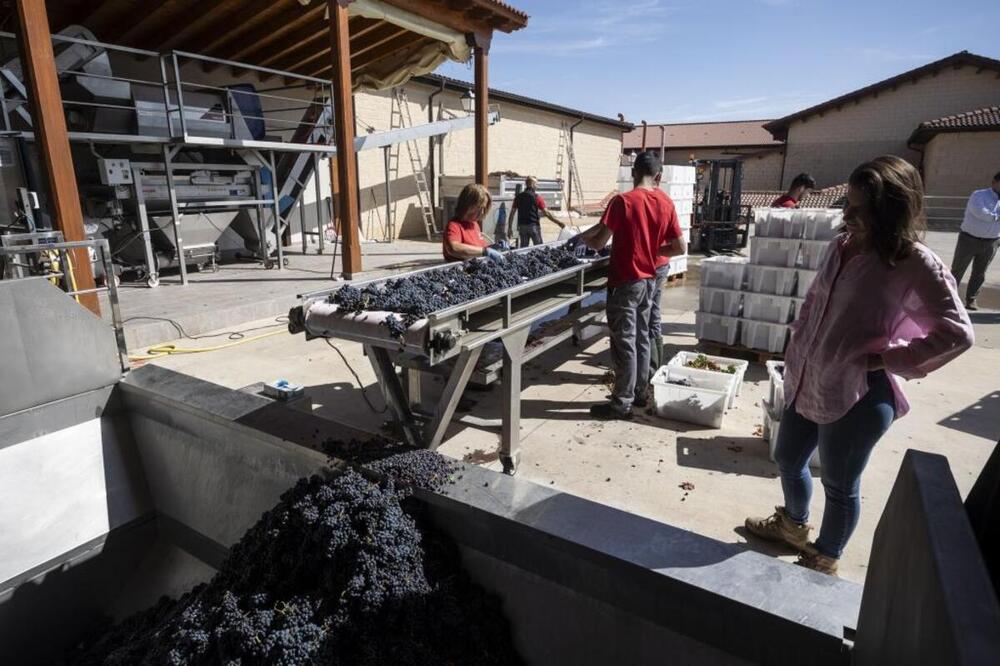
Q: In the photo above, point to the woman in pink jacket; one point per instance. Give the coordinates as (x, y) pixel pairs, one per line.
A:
(882, 306)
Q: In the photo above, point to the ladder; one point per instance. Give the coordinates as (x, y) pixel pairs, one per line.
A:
(566, 149)
(400, 117)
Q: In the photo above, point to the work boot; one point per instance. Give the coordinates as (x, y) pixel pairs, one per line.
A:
(607, 411)
(971, 305)
(779, 527)
(810, 558)
(641, 400)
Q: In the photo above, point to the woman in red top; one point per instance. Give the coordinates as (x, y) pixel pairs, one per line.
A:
(463, 238)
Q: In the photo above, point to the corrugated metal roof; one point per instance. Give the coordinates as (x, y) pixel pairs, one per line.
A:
(729, 134)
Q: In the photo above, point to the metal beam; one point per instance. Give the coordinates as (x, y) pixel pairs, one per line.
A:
(45, 101)
(343, 109)
(481, 55)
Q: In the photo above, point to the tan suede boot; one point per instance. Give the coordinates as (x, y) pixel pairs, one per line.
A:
(779, 527)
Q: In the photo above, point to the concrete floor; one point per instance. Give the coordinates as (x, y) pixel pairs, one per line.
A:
(640, 466)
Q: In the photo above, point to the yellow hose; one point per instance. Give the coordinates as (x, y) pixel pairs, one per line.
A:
(158, 351)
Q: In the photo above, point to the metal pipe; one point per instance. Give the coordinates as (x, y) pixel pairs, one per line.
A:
(277, 211)
(388, 190)
(320, 223)
(569, 189)
(431, 141)
(643, 135)
(663, 143)
(175, 213)
(180, 95)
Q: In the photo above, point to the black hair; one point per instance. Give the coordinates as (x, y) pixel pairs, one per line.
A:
(803, 180)
(647, 163)
(996, 176)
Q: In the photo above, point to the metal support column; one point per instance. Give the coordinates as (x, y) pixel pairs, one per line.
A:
(385, 372)
(510, 435)
(481, 57)
(152, 263)
(276, 205)
(388, 193)
(320, 216)
(168, 155)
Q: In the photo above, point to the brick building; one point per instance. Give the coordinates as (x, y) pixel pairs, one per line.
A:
(828, 140)
(762, 154)
(960, 152)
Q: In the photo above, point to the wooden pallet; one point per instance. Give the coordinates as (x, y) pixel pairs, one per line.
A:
(738, 351)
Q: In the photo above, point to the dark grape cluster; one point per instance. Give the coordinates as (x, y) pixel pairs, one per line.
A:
(336, 573)
(418, 468)
(413, 297)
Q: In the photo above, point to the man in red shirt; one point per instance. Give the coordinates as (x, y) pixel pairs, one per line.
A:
(645, 227)
(801, 185)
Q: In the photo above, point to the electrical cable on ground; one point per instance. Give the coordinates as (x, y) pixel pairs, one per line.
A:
(364, 391)
(232, 335)
(236, 338)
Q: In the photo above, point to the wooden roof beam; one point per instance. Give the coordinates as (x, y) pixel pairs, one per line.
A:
(198, 27)
(140, 31)
(301, 48)
(257, 13)
(360, 61)
(262, 38)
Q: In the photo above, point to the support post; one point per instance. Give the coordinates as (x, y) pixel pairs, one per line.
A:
(347, 175)
(175, 215)
(320, 217)
(510, 434)
(45, 101)
(481, 48)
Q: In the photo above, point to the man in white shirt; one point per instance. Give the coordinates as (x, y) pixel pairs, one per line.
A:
(978, 239)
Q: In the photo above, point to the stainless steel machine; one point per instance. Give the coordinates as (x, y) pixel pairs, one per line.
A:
(451, 342)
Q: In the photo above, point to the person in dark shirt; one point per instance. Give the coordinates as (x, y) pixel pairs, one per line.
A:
(645, 226)
(801, 186)
(528, 209)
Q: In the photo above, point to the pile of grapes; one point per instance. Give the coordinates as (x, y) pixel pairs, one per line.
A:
(341, 571)
(416, 296)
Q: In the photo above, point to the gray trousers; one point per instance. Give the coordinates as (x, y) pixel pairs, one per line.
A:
(530, 235)
(980, 253)
(628, 320)
(655, 325)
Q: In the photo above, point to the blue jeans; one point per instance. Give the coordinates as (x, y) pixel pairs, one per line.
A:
(844, 448)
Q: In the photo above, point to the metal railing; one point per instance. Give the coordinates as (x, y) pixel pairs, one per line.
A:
(16, 267)
(285, 122)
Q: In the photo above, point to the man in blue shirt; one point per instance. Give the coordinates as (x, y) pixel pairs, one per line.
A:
(978, 239)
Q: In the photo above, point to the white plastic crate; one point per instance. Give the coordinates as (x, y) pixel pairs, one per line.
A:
(780, 252)
(804, 281)
(797, 307)
(770, 280)
(772, 426)
(776, 385)
(682, 359)
(684, 206)
(675, 173)
(789, 228)
(625, 185)
(763, 335)
(812, 253)
(717, 328)
(678, 192)
(685, 220)
(720, 301)
(625, 173)
(822, 224)
(768, 308)
(678, 265)
(723, 272)
(768, 225)
(702, 402)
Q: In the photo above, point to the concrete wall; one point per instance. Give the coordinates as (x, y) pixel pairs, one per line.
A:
(956, 164)
(829, 146)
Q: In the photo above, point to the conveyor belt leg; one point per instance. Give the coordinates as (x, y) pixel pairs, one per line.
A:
(452, 394)
(510, 435)
(385, 371)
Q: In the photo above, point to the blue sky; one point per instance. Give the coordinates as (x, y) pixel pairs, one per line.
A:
(691, 60)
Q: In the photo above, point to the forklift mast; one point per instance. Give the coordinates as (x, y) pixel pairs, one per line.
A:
(718, 223)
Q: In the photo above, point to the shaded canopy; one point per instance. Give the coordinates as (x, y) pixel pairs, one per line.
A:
(391, 40)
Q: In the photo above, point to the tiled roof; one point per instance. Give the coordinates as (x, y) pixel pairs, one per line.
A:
(779, 127)
(980, 120)
(501, 96)
(829, 197)
(702, 135)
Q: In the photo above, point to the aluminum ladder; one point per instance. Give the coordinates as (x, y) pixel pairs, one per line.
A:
(566, 149)
(401, 117)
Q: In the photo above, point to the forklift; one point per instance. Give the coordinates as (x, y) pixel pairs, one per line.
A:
(719, 225)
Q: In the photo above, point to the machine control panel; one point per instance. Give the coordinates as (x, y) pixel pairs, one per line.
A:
(115, 172)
